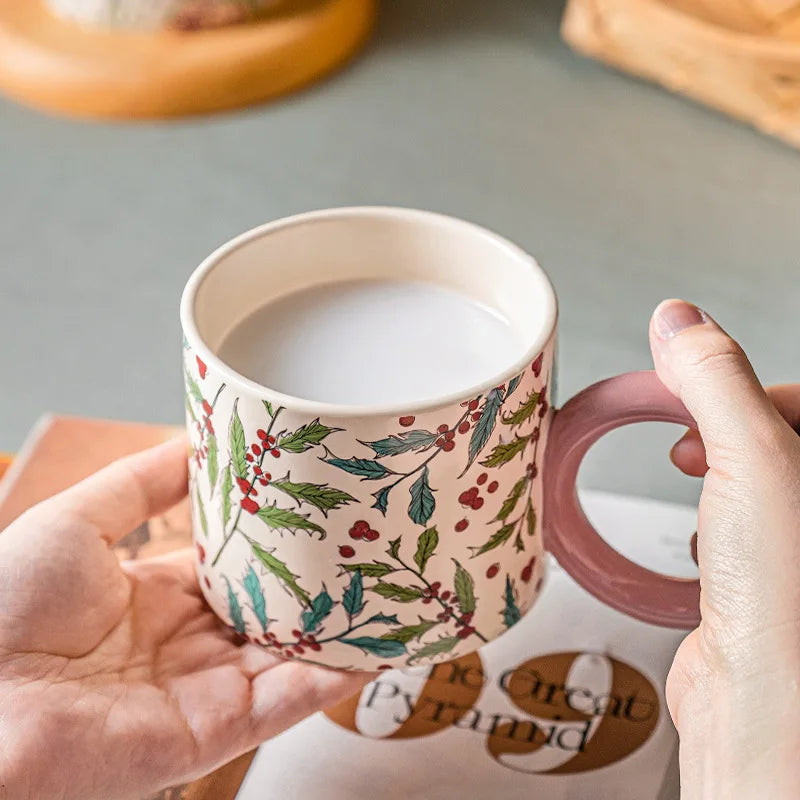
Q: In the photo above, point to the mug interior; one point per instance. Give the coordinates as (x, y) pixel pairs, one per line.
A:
(352, 244)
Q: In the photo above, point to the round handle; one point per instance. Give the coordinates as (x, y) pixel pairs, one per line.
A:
(571, 538)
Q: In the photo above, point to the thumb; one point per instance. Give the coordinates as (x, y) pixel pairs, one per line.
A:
(709, 372)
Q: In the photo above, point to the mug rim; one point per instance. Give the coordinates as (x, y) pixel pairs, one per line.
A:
(319, 408)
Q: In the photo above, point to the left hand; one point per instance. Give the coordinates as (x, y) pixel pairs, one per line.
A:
(116, 679)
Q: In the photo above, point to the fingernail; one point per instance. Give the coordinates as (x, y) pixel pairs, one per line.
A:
(674, 316)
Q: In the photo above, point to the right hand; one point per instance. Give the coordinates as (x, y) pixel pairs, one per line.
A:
(734, 687)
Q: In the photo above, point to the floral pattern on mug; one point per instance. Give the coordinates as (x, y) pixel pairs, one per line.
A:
(372, 551)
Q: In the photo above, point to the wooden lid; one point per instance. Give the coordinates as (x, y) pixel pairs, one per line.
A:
(57, 66)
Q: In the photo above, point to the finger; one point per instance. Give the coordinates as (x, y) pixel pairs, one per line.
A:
(689, 455)
(786, 398)
(128, 492)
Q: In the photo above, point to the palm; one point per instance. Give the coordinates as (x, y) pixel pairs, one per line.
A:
(121, 672)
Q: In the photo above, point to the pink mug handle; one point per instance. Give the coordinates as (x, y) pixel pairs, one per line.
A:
(568, 534)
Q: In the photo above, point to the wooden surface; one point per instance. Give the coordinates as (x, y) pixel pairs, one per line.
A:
(739, 56)
(62, 451)
(57, 66)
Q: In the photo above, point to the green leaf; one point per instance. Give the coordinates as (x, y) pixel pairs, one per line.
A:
(394, 547)
(387, 619)
(321, 606)
(353, 598)
(234, 609)
(192, 388)
(201, 513)
(376, 569)
(268, 407)
(190, 409)
(511, 613)
(499, 537)
(393, 591)
(422, 504)
(443, 645)
(531, 520)
(405, 442)
(485, 425)
(524, 412)
(213, 463)
(465, 589)
(426, 545)
(381, 499)
(409, 632)
(238, 444)
(505, 452)
(513, 383)
(305, 437)
(377, 647)
(280, 571)
(282, 519)
(227, 485)
(320, 496)
(519, 545)
(365, 468)
(253, 588)
(511, 501)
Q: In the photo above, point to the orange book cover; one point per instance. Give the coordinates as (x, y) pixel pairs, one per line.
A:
(59, 452)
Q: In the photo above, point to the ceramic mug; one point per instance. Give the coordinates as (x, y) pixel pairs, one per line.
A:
(376, 537)
(149, 15)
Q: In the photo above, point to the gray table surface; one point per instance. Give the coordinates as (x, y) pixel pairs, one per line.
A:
(625, 194)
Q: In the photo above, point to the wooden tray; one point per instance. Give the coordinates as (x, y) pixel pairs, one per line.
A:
(739, 56)
(57, 66)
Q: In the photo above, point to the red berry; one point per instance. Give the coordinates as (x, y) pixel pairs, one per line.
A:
(466, 497)
(532, 562)
(465, 632)
(268, 476)
(261, 433)
(296, 634)
(205, 452)
(355, 533)
(361, 525)
(201, 368)
(476, 416)
(207, 581)
(257, 470)
(477, 504)
(448, 446)
(406, 422)
(467, 618)
(288, 654)
(442, 428)
(436, 585)
(371, 535)
(385, 666)
(243, 484)
(461, 525)
(426, 600)
(539, 584)
(253, 492)
(535, 433)
(492, 571)
(275, 453)
(201, 553)
(299, 650)
(473, 404)
(263, 481)
(527, 573)
(209, 426)
(543, 409)
(440, 441)
(197, 424)
(249, 505)
(534, 471)
(249, 458)
(270, 440)
(256, 449)
(463, 427)
(449, 436)
(482, 478)
(207, 408)
(445, 594)
(537, 364)
(315, 647)
(345, 551)
(492, 487)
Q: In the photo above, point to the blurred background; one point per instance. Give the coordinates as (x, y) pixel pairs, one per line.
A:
(625, 193)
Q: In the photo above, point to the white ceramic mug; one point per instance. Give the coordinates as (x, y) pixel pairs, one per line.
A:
(370, 537)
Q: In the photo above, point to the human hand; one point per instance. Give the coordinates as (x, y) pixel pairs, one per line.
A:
(117, 680)
(733, 690)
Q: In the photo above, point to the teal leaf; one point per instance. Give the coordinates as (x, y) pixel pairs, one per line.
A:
(321, 496)
(234, 609)
(393, 591)
(201, 513)
(305, 437)
(485, 425)
(422, 504)
(510, 503)
(442, 645)
(524, 412)
(465, 589)
(394, 547)
(512, 385)
(237, 442)
(282, 519)
(426, 545)
(375, 569)
(377, 647)
(406, 442)
(321, 606)
(253, 588)
(213, 462)
(353, 598)
(364, 468)
(227, 485)
(382, 499)
(409, 632)
(501, 536)
(387, 619)
(511, 612)
(505, 452)
(279, 569)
